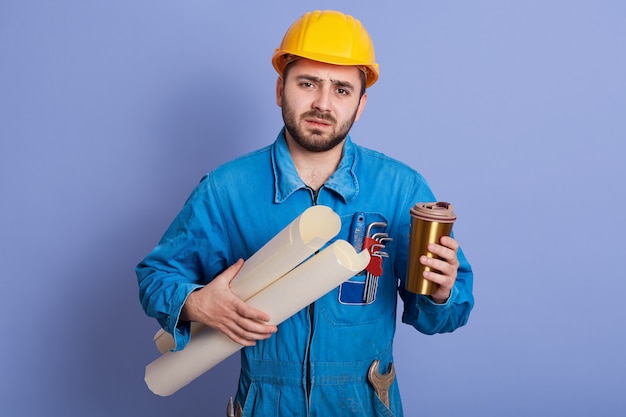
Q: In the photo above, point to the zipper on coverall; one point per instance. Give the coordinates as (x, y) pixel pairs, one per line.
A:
(314, 195)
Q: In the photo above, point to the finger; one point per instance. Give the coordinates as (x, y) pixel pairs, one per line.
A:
(255, 330)
(246, 331)
(443, 288)
(440, 273)
(443, 266)
(439, 278)
(242, 309)
(239, 338)
(252, 319)
(247, 339)
(444, 252)
(434, 275)
(449, 242)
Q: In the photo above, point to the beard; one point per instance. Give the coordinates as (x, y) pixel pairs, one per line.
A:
(314, 140)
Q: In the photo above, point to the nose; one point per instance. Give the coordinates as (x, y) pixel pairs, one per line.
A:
(322, 100)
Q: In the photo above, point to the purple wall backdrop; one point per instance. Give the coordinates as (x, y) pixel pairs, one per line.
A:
(111, 111)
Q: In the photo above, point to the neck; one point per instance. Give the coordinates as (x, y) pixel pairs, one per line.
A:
(314, 168)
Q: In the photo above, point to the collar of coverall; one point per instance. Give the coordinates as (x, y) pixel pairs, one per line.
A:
(343, 181)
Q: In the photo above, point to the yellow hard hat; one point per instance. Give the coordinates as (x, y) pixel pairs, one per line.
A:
(331, 37)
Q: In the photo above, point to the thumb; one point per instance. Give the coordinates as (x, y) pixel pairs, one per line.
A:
(231, 272)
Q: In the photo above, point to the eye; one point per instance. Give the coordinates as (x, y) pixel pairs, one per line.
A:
(306, 84)
(343, 92)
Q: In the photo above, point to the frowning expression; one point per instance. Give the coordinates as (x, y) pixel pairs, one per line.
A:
(320, 102)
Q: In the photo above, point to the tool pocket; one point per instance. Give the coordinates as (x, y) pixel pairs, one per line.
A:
(261, 400)
(347, 305)
(381, 409)
(360, 400)
(360, 229)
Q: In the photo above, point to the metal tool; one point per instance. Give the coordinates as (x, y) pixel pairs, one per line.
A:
(358, 231)
(381, 382)
(233, 410)
(230, 408)
(368, 241)
(372, 225)
(375, 244)
(371, 280)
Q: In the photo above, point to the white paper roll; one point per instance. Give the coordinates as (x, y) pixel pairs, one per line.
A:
(290, 247)
(287, 249)
(282, 299)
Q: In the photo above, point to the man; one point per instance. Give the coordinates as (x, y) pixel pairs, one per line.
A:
(316, 362)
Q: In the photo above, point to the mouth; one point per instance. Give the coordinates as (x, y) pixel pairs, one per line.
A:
(318, 123)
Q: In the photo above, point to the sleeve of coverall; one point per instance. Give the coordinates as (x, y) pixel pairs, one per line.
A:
(419, 310)
(191, 252)
(430, 318)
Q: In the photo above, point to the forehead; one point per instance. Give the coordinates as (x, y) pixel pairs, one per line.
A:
(343, 73)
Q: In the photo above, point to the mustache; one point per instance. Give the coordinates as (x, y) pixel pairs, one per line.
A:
(316, 114)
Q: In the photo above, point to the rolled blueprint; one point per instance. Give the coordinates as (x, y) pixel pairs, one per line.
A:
(287, 249)
(282, 299)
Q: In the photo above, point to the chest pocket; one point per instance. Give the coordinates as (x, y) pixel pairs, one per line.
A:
(365, 231)
(367, 296)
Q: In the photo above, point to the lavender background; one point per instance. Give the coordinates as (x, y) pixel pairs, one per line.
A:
(111, 111)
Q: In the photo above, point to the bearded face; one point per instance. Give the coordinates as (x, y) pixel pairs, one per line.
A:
(312, 138)
(320, 103)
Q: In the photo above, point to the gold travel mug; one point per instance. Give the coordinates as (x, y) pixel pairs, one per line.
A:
(429, 222)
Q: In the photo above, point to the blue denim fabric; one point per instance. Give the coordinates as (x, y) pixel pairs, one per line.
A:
(328, 346)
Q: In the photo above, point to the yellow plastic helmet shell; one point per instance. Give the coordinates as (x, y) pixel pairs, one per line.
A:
(331, 37)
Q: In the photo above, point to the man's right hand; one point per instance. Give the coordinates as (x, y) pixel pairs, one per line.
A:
(216, 306)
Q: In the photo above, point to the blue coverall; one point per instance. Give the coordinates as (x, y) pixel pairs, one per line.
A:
(317, 362)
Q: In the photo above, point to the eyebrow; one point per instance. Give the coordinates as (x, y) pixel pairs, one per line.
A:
(338, 83)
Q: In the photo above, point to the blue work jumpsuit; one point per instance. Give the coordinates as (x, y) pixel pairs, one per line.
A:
(317, 362)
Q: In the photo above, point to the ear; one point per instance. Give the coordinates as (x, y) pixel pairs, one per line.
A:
(279, 91)
(362, 103)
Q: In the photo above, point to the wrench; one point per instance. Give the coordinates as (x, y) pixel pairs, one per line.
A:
(381, 382)
(230, 408)
(374, 271)
(367, 240)
(233, 410)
